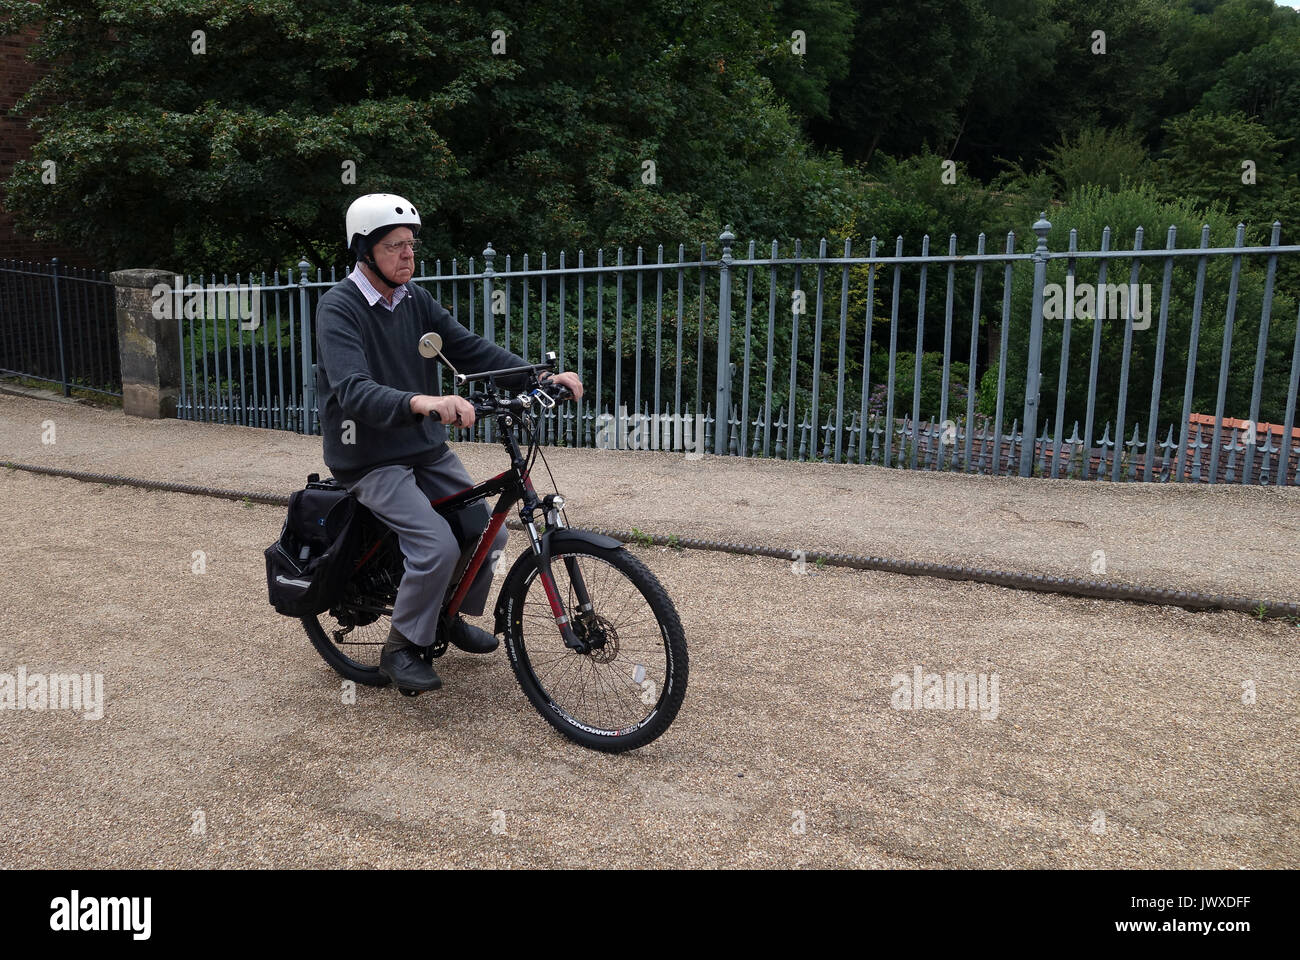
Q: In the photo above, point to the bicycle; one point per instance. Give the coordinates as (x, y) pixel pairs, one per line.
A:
(604, 630)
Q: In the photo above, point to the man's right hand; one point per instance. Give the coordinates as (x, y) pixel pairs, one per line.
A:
(446, 409)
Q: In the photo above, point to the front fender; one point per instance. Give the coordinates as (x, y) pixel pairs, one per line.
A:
(553, 540)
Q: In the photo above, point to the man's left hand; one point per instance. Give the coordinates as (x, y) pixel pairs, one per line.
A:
(570, 380)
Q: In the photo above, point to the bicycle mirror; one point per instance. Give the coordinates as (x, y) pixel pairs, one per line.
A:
(431, 345)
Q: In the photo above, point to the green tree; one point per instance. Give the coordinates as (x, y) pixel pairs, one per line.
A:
(185, 133)
(597, 123)
(1203, 35)
(1112, 65)
(1004, 114)
(912, 199)
(912, 67)
(1229, 160)
(1264, 83)
(1098, 157)
(804, 79)
(1091, 210)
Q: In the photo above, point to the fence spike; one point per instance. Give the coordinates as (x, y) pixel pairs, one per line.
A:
(1232, 446)
(930, 460)
(1042, 450)
(1265, 460)
(1013, 457)
(1134, 445)
(1167, 446)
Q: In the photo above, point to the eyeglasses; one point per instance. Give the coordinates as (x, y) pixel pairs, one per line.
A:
(412, 245)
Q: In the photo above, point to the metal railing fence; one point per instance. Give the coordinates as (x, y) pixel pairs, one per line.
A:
(759, 356)
(59, 324)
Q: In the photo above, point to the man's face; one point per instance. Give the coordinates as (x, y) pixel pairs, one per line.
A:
(396, 262)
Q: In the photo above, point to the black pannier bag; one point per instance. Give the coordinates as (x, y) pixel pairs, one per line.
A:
(307, 567)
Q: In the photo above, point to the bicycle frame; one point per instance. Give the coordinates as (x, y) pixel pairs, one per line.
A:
(513, 485)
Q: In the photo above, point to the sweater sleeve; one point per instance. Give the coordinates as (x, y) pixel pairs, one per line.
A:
(343, 356)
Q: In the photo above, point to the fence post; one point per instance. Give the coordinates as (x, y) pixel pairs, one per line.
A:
(148, 342)
(489, 328)
(1261, 351)
(724, 337)
(58, 326)
(1032, 374)
(308, 377)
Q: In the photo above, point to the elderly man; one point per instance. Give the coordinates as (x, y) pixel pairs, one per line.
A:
(383, 429)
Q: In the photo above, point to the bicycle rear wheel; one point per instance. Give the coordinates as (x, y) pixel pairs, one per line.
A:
(351, 634)
(623, 692)
(351, 648)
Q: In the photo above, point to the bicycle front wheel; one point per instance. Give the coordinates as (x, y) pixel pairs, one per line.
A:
(627, 686)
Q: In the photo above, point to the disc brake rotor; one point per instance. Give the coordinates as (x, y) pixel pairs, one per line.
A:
(607, 651)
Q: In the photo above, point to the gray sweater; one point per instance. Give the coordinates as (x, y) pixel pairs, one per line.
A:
(368, 369)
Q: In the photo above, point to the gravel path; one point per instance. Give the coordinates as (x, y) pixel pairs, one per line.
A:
(1124, 735)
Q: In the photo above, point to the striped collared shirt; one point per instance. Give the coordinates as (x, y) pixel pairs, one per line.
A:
(372, 295)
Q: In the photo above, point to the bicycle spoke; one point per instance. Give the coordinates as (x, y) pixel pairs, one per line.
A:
(596, 688)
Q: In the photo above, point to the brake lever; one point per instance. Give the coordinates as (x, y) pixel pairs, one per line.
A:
(562, 390)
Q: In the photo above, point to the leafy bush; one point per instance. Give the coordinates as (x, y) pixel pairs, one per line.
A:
(986, 397)
(1089, 211)
(931, 385)
(1097, 157)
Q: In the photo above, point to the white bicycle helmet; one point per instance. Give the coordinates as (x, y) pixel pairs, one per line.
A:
(370, 217)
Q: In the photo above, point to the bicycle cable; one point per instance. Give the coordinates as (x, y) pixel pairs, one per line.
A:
(535, 451)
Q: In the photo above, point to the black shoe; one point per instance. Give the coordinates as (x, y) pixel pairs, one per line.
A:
(400, 662)
(469, 638)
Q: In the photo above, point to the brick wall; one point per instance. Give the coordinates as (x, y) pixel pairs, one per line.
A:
(17, 74)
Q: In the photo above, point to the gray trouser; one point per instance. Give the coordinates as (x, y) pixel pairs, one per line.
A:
(400, 496)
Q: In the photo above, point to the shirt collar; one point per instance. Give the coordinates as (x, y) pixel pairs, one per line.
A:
(372, 295)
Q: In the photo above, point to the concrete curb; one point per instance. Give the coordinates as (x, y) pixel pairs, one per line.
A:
(1069, 586)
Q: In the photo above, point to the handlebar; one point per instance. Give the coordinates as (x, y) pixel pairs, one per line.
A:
(488, 405)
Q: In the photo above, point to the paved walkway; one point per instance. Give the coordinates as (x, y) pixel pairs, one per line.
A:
(1212, 539)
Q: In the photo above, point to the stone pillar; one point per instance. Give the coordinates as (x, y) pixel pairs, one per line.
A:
(150, 347)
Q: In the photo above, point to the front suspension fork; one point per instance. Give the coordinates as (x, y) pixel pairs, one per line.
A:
(541, 547)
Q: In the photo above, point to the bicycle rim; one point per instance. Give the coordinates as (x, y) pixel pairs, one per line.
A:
(628, 688)
(350, 635)
(361, 644)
